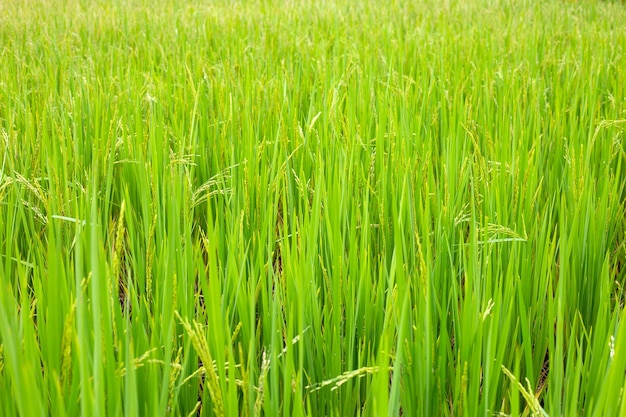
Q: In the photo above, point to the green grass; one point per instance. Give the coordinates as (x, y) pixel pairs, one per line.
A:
(331, 208)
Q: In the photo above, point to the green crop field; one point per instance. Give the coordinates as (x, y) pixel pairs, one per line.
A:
(312, 208)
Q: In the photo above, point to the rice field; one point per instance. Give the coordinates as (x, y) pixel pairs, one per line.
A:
(299, 208)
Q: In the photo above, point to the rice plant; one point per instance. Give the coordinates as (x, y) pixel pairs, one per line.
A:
(298, 208)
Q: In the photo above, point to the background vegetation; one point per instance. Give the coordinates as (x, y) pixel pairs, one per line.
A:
(312, 208)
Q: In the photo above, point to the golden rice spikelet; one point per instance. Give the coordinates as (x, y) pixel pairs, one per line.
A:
(199, 343)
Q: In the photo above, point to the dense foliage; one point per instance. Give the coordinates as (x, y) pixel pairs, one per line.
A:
(312, 208)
